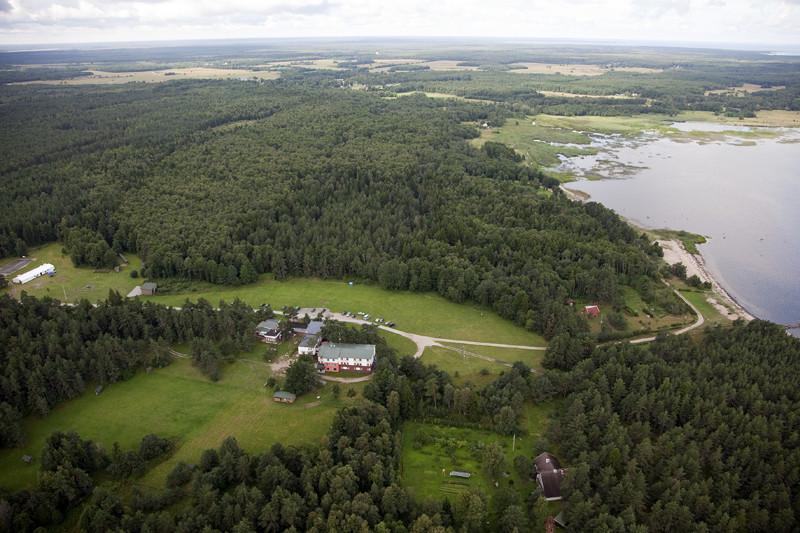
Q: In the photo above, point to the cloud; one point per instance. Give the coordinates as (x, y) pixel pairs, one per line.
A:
(40, 21)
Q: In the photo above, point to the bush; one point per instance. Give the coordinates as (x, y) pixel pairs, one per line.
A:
(180, 475)
(134, 274)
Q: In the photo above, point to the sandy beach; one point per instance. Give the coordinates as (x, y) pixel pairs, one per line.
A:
(674, 252)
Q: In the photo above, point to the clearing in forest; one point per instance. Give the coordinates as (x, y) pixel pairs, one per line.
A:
(576, 69)
(100, 77)
(179, 402)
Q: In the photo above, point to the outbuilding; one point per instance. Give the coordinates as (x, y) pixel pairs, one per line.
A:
(149, 288)
(458, 473)
(593, 311)
(283, 396)
(42, 270)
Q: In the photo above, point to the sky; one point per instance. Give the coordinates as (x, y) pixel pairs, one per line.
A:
(755, 22)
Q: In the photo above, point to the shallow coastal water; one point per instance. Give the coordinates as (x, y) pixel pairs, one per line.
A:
(742, 193)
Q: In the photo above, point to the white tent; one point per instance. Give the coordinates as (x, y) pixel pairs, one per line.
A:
(41, 270)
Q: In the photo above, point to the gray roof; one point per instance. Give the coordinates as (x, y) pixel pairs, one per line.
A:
(149, 285)
(284, 395)
(309, 341)
(458, 473)
(267, 325)
(332, 350)
(314, 327)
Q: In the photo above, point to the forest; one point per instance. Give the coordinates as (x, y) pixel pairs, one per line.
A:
(222, 181)
(681, 435)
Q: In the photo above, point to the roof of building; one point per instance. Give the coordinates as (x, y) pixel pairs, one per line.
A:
(267, 325)
(551, 483)
(284, 395)
(458, 473)
(546, 462)
(309, 341)
(35, 273)
(549, 474)
(332, 350)
(591, 309)
(149, 285)
(314, 327)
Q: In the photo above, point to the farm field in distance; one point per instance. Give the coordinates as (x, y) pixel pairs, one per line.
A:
(179, 402)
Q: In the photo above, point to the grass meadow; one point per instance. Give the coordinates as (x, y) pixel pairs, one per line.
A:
(72, 284)
(422, 313)
(179, 402)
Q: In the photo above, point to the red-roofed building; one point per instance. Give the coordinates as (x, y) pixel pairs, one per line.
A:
(592, 310)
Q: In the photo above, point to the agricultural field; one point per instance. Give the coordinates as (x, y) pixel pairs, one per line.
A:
(431, 451)
(72, 284)
(571, 69)
(179, 402)
(422, 313)
(100, 77)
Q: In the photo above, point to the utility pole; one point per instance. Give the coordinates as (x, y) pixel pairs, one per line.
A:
(514, 444)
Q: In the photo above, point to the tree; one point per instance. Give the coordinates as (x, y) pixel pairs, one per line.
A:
(301, 376)
(494, 459)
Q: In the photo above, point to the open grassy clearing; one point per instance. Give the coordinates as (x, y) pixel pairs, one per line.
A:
(744, 89)
(447, 65)
(700, 299)
(71, 284)
(532, 358)
(539, 144)
(401, 345)
(423, 313)
(560, 94)
(431, 451)
(178, 401)
(778, 118)
(463, 368)
(100, 77)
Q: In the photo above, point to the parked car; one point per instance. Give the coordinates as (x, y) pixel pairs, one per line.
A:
(390, 324)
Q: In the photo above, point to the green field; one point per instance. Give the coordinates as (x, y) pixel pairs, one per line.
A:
(71, 284)
(532, 140)
(463, 370)
(425, 467)
(179, 402)
(699, 299)
(423, 313)
(532, 358)
(402, 345)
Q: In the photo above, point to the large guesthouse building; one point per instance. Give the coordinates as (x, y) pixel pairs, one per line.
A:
(335, 357)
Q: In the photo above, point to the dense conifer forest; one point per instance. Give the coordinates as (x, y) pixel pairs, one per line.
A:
(221, 181)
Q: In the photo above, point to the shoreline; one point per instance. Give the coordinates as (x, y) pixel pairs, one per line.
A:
(675, 252)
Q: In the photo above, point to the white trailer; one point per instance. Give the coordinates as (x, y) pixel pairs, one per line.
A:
(41, 270)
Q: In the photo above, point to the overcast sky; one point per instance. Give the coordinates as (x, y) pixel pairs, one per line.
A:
(767, 22)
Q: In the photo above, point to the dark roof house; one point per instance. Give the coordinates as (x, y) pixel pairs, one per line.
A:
(149, 288)
(549, 475)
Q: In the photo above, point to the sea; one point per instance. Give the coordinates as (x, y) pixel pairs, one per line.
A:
(731, 184)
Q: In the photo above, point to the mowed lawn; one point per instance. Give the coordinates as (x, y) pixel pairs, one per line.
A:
(179, 402)
(75, 283)
(422, 313)
(426, 467)
(464, 367)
